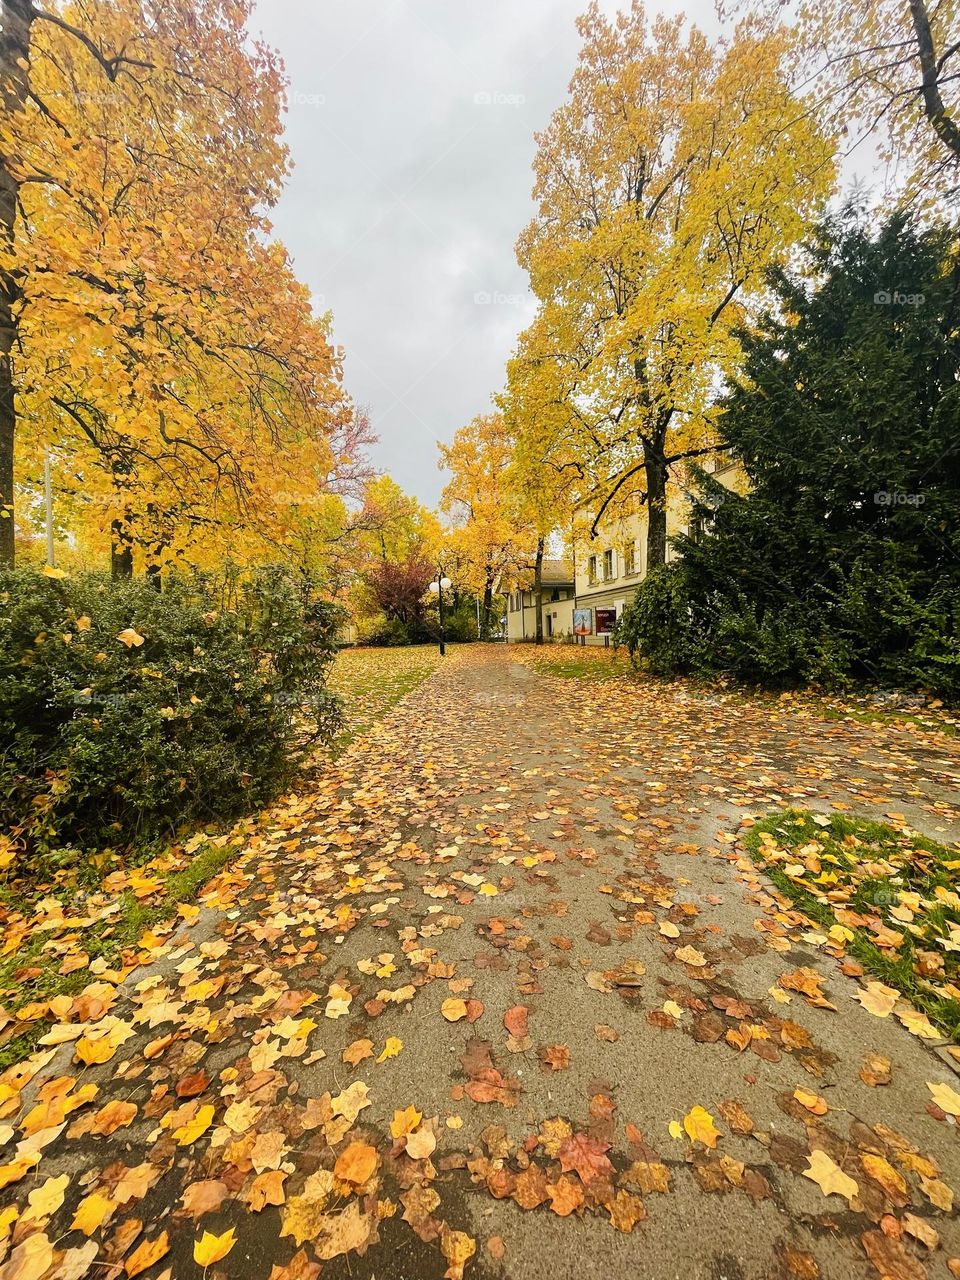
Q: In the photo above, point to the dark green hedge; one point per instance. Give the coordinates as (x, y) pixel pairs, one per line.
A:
(841, 564)
(125, 712)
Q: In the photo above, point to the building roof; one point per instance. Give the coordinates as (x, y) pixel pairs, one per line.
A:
(555, 573)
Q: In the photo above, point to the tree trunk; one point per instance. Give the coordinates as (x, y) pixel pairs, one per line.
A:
(656, 473)
(946, 127)
(121, 552)
(538, 589)
(487, 608)
(16, 17)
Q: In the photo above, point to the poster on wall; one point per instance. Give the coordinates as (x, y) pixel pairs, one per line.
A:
(606, 621)
(583, 622)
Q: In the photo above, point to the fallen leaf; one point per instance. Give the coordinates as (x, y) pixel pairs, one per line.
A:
(699, 1126)
(210, 1248)
(829, 1177)
(147, 1253)
(356, 1164)
(878, 999)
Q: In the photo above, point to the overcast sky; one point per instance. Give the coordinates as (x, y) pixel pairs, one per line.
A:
(411, 129)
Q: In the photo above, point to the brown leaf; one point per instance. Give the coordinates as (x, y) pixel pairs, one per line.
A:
(555, 1057)
(586, 1156)
(890, 1258)
(357, 1051)
(515, 1021)
(298, 1268)
(203, 1197)
(566, 1196)
(875, 1070)
(191, 1085)
(267, 1188)
(146, 1254)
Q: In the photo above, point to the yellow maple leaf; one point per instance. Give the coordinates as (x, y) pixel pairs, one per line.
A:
(131, 638)
(699, 1125)
(92, 1212)
(404, 1121)
(947, 1099)
(48, 1197)
(829, 1177)
(210, 1248)
(192, 1130)
(877, 999)
(917, 1023)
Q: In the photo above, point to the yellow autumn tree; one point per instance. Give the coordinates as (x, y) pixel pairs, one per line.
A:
(540, 494)
(673, 177)
(160, 347)
(487, 534)
(886, 69)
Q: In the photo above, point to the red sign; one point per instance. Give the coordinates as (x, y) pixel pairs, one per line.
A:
(606, 621)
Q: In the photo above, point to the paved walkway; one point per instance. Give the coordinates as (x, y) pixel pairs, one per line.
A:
(458, 1008)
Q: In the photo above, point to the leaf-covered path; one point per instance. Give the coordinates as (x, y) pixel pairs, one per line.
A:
(501, 996)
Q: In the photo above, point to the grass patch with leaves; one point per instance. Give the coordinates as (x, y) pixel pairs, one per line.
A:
(372, 681)
(51, 960)
(88, 915)
(889, 895)
(573, 662)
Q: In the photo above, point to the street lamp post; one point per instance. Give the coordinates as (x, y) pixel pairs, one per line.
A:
(439, 587)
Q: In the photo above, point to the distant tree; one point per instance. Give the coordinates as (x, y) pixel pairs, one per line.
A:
(486, 536)
(399, 544)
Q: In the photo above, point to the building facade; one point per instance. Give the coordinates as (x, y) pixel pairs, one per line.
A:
(610, 565)
(558, 593)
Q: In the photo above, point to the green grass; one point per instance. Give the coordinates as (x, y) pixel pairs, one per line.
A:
(930, 723)
(877, 867)
(106, 940)
(372, 682)
(573, 663)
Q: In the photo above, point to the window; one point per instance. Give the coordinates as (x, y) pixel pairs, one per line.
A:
(592, 569)
(607, 566)
(629, 558)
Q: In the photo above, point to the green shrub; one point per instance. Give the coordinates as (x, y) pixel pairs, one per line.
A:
(461, 624)
(388, 633)
(125, 712)
(657, 625)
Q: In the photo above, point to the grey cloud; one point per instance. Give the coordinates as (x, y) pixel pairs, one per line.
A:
(411, 129)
